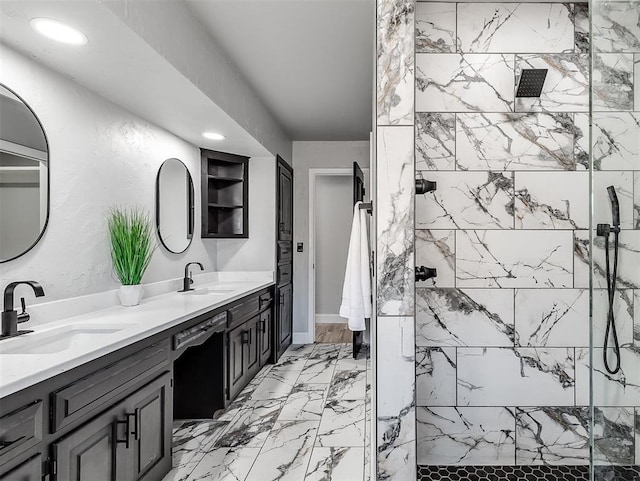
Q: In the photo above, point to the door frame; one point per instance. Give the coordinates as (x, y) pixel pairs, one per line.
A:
(311, 301)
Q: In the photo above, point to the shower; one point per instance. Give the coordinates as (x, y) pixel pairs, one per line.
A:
(531, 82)
(605, 230)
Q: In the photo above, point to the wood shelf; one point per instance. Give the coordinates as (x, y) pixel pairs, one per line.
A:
(225, 195)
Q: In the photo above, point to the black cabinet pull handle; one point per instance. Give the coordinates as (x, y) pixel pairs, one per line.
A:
(135, 424)
(263, 326)
(245, 337)
(124, 441)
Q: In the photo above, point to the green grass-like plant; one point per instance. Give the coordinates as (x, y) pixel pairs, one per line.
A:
(130, 234)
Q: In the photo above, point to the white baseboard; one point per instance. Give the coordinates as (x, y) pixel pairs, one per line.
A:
(330, 319)
(301, 338)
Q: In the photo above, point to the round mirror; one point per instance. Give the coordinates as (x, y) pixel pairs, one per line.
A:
(174, 206)
(24, 177)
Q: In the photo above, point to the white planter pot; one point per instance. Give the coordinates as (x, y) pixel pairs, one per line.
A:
(130, 295)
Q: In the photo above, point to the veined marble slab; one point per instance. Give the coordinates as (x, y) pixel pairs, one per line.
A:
(566, 87)
(305, 403)
(516, 377)
(394, 206)
(581, 22)
(252, 425)
(435, 141)
(336, 464)
(636, 200)
(395, 65)
(558, 200)
(621, 389)
(552, 435)
(552, 317)
(613, 436)
(435, 27)
(342, 423)
(464, 317)
(466, 436)
(616, 26)
(514, 258)
(515, 27)
(466, 200)
(436, 248)
(435, 376)
(464, 83)
(508, 141)
(612, 81)
(615, 140)
(225, 464)
(629, 260)
(636, 81)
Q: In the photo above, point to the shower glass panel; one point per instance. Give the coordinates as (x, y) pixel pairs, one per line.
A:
(614, 141)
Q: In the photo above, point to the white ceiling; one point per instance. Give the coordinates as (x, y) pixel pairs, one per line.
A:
(311, 61)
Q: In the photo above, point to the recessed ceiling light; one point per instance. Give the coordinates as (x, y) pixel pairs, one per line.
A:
(58, 31)
(213, 136)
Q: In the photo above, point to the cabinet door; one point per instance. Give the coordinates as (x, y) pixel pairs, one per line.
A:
(152, 429)
(285, 318)
(235, 360)
(252, 346)
(285, 201)
(30, 470)
(265, 336)
(90, 453)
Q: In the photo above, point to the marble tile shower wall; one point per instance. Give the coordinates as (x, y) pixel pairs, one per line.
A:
(502, 333)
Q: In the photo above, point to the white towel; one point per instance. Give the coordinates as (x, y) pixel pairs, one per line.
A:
(356, 290)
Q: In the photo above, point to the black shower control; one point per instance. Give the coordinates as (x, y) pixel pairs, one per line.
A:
(423, 273)
(423, 186)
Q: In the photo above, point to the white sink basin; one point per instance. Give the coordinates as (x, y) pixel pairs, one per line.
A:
(58, 339)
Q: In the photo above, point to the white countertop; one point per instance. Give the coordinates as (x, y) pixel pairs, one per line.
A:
(108, 330)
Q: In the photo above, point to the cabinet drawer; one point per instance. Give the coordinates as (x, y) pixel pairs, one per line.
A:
(285, 251)
(244, 311)
(20, 430)
(266, 300)
(30, 470)
(284, 274)
(90, 392)
(200, 332)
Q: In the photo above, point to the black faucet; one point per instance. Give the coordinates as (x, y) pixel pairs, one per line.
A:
(188, 280)
(10, 317)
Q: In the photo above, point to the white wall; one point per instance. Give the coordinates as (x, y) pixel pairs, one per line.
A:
(310, 155)
(334, 200)
(257, 253)
(101, 155)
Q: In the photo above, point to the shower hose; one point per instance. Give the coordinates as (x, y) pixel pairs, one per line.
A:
(611, 292)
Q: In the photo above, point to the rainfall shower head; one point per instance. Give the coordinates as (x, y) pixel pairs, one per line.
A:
(531, 82)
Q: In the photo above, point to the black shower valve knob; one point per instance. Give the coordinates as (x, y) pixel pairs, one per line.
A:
(423, 273)
(423, 186)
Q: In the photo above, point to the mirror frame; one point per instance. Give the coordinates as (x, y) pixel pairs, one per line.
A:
(46, 140)
(190, 207)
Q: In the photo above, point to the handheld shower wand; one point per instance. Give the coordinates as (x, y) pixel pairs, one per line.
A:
(605, 230)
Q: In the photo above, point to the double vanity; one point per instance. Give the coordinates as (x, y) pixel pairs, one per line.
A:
(93, 397)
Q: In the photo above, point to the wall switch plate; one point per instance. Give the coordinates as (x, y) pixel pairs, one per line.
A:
(300, 247)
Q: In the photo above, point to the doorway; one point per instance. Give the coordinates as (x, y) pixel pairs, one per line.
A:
(331, 216)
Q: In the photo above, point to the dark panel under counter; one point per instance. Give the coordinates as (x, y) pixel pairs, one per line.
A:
(199, 380)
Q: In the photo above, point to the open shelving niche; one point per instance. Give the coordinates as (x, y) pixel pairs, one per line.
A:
(225, 195)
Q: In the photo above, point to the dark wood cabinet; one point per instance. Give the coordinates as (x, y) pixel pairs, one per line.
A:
(235, 363)
(30, 470)
(129, 442)
(225, 194)
(284, 253)
(266, 319)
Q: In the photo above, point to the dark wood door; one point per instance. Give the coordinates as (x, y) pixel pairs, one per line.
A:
(252, 346)
(265, 337)
(90, 453)
(235, 362)
(284, 248)
(358, 183)
(30, 470)
(152, 429)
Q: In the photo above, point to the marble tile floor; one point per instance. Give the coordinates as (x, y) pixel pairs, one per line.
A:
(306, 418)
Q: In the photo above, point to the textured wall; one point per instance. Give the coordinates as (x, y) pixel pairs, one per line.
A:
(101, 155)
(502, 343)
(395, 334)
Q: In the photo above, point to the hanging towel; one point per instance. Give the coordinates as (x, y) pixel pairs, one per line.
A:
(356, 290)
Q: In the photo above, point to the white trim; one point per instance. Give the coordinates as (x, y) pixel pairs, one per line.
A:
(313, 173)
(20, 150)
(301, 338)
(330, 319)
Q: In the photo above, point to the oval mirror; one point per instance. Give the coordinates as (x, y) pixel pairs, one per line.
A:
(24, 177)
(174, 206)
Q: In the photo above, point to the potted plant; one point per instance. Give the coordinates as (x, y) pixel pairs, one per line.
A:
(130, 234)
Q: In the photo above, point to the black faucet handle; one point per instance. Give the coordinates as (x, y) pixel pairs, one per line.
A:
(24, 315)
